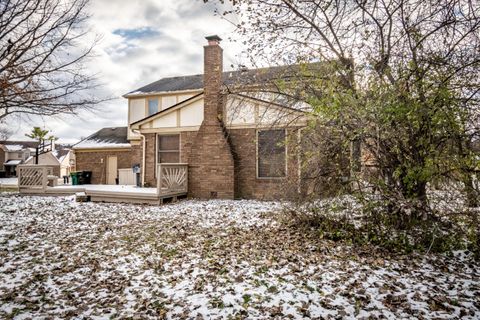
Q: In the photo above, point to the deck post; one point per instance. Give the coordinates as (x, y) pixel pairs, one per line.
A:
(44, 178)
(159, 179)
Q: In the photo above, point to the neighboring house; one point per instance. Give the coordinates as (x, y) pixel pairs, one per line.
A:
(235, 144)
(47, 158)
(103, 153)
(56, 155)
(66, 158)
(13, 153)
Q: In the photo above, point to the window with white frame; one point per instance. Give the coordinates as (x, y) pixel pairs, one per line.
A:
(152, 106)
(168, 148)
(271, 154)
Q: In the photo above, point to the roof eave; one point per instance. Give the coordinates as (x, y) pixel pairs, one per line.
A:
(103, 147)
(155, 93)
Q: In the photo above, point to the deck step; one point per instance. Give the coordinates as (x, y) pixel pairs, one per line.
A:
(81, 197)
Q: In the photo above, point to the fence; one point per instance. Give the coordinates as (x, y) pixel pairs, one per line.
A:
(33, 177)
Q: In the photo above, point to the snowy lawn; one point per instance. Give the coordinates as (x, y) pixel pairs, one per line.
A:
(207, 260)
(9, 182)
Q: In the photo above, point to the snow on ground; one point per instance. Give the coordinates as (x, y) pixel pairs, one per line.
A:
(208, 260)
(9, 181)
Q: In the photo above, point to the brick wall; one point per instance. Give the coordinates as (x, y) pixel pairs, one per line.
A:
(2, 159)
(96, 161)
(136, 153)
(247, 185)
(211, 167)
(150, 149)
(187, 139)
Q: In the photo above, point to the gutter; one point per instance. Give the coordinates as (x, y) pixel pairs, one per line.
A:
(143, 154)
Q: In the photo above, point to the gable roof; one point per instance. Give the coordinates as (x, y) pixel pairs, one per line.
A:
(115, 137)
(177, 105)
(239, 77)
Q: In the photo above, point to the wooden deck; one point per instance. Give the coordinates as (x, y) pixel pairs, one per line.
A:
(172, 183)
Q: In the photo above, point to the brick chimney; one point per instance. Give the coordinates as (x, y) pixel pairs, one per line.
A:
(212, 79)
(211, 168)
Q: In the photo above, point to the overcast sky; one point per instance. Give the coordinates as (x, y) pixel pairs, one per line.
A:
(142, 41)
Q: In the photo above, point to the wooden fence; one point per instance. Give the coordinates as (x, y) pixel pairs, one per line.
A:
(33, 178)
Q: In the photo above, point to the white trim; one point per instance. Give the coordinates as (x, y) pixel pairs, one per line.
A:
(172, 130)
(107, 146)
(149, 119)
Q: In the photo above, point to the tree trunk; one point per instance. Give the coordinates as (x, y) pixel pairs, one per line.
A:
(470, 192)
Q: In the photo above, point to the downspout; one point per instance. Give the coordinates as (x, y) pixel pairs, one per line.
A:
(143, 154)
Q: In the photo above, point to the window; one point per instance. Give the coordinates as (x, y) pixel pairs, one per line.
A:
(152, 106)
(271, 155)
(168, 149)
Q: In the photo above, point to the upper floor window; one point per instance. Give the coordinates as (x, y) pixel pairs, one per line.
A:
(271, 154)
(168, 148)
(152, 106)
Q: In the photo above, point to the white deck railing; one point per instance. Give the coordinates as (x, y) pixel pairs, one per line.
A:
(172, 178)
(33, 177)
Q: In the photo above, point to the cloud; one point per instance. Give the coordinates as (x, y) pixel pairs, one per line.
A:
(141, 42)
(138, 33)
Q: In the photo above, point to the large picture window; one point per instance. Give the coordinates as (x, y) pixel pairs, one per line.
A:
(168, 148)
(271, 154)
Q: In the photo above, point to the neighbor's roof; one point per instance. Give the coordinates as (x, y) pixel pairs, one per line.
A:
(12, 162)
(18, 145)
(60, 151)
(105, 138)
(240, 77)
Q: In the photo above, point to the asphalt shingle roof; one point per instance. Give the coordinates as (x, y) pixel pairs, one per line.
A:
(105, 138)
(22, 144)
(240, 77)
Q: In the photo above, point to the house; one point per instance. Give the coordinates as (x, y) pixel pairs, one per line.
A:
(104, 153)
(58, 156)
(13, 153)
(66, 157)
(236, 144)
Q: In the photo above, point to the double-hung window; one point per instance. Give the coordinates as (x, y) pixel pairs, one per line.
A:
(271, 154)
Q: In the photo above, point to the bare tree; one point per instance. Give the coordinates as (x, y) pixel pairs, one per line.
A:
(42, 58)
(5, 133)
